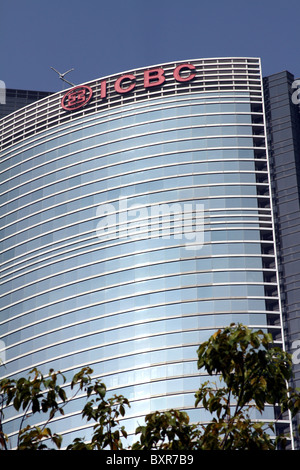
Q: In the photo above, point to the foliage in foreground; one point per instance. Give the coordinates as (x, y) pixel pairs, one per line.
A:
(249, 373)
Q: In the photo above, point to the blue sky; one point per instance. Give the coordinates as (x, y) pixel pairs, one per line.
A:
(98, 38)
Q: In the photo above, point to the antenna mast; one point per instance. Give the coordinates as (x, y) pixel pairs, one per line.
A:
(62, 75)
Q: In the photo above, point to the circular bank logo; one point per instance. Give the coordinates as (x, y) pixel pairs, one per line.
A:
(76, 98)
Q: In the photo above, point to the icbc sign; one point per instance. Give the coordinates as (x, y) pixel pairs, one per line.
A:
(81, 95)
(76, 98)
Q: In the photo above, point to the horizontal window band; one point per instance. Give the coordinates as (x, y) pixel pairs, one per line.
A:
(123, 341)
(242, 242)
(164, 142)
(100, 120)
(128, 310)
(59, 121)
(104, 302)
(70, 224)
(141, 322)
(208, 332)
(77, 282)
(131, 161)
(134, 270)
(147, 106)
(52, 261)
(261, 212)
(170, 166)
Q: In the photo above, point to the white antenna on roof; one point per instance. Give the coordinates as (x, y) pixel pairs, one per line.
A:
(62, 75)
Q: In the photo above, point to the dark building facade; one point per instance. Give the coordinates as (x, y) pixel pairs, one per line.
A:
(16, 99)
(283, 131)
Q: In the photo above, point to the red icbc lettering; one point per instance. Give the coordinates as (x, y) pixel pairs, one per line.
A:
(76, 98)
(79, 96)
(189, 77)
(118, 84)
(154, 77)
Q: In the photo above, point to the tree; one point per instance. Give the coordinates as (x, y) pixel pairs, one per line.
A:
(47, 395)
(250, 373)
(254, 373)
(32, 395)
(105, 412)
(170, 430)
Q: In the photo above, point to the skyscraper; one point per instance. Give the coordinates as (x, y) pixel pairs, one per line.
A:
(136, 220)
(16, 99)
(283, 130)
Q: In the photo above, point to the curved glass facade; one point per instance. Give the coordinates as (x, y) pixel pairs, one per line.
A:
(132, 230)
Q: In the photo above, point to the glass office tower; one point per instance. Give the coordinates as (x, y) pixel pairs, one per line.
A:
(136, 219)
